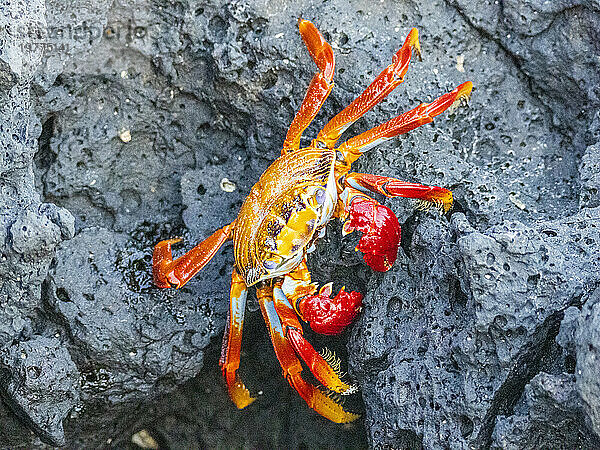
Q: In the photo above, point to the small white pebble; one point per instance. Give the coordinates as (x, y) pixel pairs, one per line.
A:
(143, 439)
(517, 202)
(125, 135)
(227, 186)
(460, 63)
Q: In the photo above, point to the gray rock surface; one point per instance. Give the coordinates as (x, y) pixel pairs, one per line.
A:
(123, 123)
(41, 383)
(533, 427)
(588, 344)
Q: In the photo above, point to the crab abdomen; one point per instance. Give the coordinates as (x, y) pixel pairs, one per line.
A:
(293, 199)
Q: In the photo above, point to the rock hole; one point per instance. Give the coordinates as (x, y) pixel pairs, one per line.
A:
(269, 80)
(218, 27)
(34, 372)
(343, 39)
(532, 280)
(62, 295)
(466, 426)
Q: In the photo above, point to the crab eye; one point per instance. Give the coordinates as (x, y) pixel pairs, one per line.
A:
(270, 265)
(320, 196)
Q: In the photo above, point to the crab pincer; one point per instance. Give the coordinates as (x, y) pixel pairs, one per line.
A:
(327, 315)
(381, 231)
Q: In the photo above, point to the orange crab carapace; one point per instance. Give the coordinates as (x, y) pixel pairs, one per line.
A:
(288, 209)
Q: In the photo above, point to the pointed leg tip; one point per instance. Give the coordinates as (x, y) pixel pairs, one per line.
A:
(306, 26)
(348, 417)
(161, 284)
(331, 409)
(240, 395)
(171, 241)
(464, 90)
(413, 41)
(463, 93)
(467, 84)
(351, 417)
(241, 404)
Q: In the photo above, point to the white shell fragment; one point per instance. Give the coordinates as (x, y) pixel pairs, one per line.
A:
(227, 186)
(125, 135)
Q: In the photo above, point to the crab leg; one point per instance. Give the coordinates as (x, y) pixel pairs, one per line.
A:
(420, 115)
(391, 187)
(385, 83)
(319, 88)
(167, 272)
(321, 369)
(292, 366)
(232, 343)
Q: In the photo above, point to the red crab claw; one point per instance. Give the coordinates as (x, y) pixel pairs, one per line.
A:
(330, 315)
(381, 229)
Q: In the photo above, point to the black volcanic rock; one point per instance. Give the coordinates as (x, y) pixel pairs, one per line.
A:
(123, 123)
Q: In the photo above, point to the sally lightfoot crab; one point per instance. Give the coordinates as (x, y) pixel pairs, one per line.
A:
(287, 211)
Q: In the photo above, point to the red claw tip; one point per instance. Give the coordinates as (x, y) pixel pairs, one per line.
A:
(381, 238)
(330, 315)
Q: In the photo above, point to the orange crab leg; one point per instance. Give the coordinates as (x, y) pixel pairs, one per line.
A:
(167, 272)
(319, 88)
(391, 187)
(291, 365)
(232, 343)
(321, 369)
(420, 115)
(385, 83)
